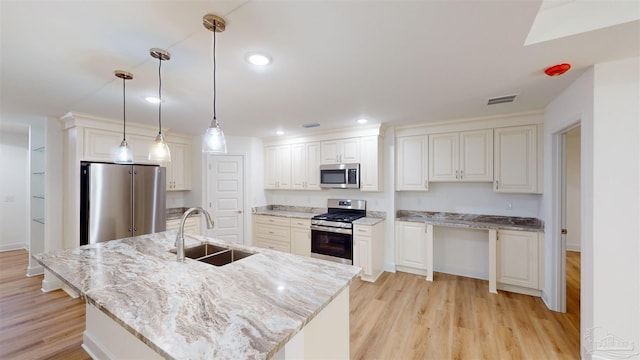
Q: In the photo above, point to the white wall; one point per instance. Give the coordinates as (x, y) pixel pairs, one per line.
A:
(573, 190)
(616, 210)
(605, 101)
(14, 194)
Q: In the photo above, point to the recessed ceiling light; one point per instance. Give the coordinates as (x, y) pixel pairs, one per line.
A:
(362, 121)
(152, 99)
(279, 132)
(259, 59)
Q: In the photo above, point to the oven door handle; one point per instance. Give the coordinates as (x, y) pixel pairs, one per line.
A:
(331, 229)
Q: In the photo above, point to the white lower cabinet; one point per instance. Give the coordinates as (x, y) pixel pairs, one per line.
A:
(191, 226)
(301, 237)
(368, 250)
(272, 232)
(414, 248)
(519, 261)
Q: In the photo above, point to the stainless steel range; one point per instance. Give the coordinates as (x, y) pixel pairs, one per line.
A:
(332, 233)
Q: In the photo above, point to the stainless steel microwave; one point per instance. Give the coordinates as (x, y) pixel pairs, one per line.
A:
(340, 176)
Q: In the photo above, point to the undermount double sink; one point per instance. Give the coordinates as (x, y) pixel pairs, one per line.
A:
(214, 254)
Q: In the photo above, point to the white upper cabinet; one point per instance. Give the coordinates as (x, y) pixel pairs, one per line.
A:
(516, 159)
(101, 145)
(305, 166)
(461, 156)
(179, 169)
(277, 167)
(294, 163)
(341, 151)
(370, 164)
(412, 163)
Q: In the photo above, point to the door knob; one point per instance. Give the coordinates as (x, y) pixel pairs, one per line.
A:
(239, 211)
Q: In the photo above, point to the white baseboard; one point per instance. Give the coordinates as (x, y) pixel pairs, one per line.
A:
(574, 247)
(92, 348)
(35, 271)
(51, 283)
(519, 290)
(48, 285)
(14, 246)
(470, 273)
(389, 267)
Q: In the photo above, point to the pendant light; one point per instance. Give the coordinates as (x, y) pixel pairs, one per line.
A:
(160, 150)
(213, 141)
(123, 153)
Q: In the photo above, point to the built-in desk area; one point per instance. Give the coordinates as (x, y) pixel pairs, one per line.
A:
(515, 246)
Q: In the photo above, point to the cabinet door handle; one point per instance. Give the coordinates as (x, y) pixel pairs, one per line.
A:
(426, 184)
(456, 174)
(461, 174)
(496, 184)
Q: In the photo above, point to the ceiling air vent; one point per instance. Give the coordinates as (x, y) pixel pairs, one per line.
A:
(310, 125)
(502, 99)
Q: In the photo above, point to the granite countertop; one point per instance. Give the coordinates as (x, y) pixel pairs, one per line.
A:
(474, 221)
(247, 309)
(302, 212)
(297, 212)
(369, 221)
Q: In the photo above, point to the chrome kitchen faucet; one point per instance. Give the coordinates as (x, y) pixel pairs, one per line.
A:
(180, 238)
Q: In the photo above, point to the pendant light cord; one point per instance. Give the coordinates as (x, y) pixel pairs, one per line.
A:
(124, 111)
(214, 69)
(160, 96)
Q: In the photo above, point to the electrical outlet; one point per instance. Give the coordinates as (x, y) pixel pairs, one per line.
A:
(9, 199)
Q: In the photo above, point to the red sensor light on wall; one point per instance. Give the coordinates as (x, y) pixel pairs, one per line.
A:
(557, 70)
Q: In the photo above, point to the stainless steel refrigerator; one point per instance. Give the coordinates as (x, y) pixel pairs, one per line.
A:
(118, 201)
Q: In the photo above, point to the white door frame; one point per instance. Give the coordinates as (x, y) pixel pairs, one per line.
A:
(557, 263)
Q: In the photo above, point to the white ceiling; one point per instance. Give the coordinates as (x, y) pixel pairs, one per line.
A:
(394, 62)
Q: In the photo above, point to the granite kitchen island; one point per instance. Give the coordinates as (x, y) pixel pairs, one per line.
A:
(270, 304)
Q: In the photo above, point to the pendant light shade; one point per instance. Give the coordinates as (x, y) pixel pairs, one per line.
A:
(159, 151)
(123, 154)
(213, 141)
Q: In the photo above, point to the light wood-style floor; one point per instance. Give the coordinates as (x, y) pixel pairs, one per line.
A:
(401, 316)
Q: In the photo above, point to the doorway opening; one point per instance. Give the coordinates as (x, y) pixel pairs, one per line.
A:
(571, 220)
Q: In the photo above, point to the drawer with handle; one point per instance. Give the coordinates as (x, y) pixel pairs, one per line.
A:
(274, 245)
(362, 230)
(272, 232)
(272, 220)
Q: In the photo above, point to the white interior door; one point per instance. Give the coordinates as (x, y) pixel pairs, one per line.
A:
(225, 196)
